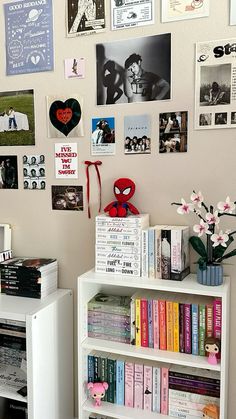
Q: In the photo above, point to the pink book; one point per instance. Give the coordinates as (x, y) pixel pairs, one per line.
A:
(138, 386)
(187, 329)
(129, 384)
(155, 324)
(162, 324)
(217, 320)
(147, 387)
(164, 390)
(144, 323)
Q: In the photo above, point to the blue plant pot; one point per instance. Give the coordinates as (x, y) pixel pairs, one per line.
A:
(212, 275)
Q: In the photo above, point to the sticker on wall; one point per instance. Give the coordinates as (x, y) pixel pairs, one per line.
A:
(34, 172)
(65, 116)
(173, 132)
(66, 161)
(85, 17)
(17, 118)
(103, 136)
(29, 36)
(137, 130)
(134, 70)
(215, 98)
(75, 68)
(67, 198)
(8, 172)
(184, 9)
(131, 13)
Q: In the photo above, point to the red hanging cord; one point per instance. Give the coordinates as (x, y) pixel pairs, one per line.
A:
(96, 164)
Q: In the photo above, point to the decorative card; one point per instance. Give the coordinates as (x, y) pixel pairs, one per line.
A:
(66, 161)
(85, 17)
(67, 198)
(184, 9)
(29, 36)
(103, 136)
(137, 130)
(34, 171)
(131, 13)
(173, 132)
(65, 116)
(75, 68)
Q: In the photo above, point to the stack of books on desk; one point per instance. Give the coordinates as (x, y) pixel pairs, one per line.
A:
(118, 244)
(29, 277)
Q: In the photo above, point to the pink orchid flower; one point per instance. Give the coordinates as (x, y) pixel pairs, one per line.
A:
(185, 208)
(197, 198)
(226, 206)
(220, 238)
(201, 228)
(212, 218)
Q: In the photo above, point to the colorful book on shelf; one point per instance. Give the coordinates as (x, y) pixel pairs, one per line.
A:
(202, 329)
(217, 320)
(138, 321)
(144, 322)
(111, 378)
(120, 381)
(129, 383)
(147, 387)
(162, 324)
(209, 321)
(108, 303)
(169, 326)
(179, 252)
(156, 389)
(181, 328)
(138, 386)
(156, 333)
(144, 253)
(176, 325)
(150, 324)
(195, 328)
(187, 328)
(164, 390)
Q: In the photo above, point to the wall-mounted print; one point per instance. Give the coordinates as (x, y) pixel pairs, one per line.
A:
(137, 132)
(134, 70)
(232, 12)
(131, 13)
(29, 36)
(34, 171)
(184, 9)
(103, 136)
(85, 17)
(215, 93)
(173, 132)
(66, 161)
(67, 198)
(75, 68)
(8, 172)
(17, 118)
(65, 116)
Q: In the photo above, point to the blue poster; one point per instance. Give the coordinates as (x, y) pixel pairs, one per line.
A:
(29, 36)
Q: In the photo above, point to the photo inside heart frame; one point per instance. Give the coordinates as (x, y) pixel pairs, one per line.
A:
(65, 116)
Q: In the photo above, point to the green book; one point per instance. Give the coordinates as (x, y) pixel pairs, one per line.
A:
(202, 329)
(111, 379)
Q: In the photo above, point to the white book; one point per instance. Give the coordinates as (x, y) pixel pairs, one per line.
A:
(144, 253)
(192, 397)
(156, 390)
(141, 220)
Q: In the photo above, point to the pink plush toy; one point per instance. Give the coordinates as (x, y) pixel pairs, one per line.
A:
(97, 391)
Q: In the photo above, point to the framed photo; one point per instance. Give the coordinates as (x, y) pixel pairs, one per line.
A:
(184, 9)
(134, 70)
(215, 100)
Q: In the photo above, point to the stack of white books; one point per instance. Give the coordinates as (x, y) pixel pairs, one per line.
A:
(118, 244)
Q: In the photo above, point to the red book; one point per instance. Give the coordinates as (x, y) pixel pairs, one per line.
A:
(144, 323)
(162, 320)
(217, 320)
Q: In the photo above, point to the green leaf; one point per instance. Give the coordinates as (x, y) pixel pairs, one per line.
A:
(229, 255)
(218, 251)
(198, 246)
(202, 263)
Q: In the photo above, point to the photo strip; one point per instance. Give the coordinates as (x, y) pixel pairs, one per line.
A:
(34, 172)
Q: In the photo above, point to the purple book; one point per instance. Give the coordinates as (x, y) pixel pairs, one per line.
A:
(181, 328)
(194, 383)
(187, 329)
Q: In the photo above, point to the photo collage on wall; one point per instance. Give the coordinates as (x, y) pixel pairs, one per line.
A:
(173, 130)
(34, 172)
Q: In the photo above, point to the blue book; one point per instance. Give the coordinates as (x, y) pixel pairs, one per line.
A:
(120, 382)
(90, 368)
(150, 325)
(195, 328)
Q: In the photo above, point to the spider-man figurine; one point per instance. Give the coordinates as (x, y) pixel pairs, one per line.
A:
(124, 190)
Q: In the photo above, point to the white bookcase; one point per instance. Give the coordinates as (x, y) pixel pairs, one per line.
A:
(49, 350)
(90, 284)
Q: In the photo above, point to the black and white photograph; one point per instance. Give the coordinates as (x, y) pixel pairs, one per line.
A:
(8, 172)
(67, 198)
(34, 172)
(233, 117)
(85, 17)
(173, 132)
(134, 70)
(137, 130)
(215, 85)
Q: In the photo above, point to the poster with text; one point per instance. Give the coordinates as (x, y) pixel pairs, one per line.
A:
(65, 116)
(173, 132)
(29, 36)
(75, 68)
(34, 171)
(85, 17)
(103, 136)
(184, 9)
(67, 197)
(232, 12)
(66, 161)
(131, 13)
(215, 87)
(137, 130)
(134, 70)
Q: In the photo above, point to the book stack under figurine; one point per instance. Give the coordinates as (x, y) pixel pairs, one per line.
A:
(29, 277)
(109, 318)
(118, 244)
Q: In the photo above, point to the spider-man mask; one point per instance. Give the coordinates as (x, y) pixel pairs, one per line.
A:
(124, 189)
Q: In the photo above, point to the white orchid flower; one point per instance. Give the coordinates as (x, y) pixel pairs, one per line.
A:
(226, 206)
(197, 198)
(185, 208)
(220, 238)
(201, 228)
(212, 218)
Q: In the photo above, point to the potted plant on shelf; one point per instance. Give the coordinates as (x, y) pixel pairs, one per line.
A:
(215, 250)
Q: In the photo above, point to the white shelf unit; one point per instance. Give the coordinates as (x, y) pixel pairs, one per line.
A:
(91, 283)
(49, 353)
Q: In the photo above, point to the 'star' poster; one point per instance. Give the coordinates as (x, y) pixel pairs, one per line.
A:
(29, 36)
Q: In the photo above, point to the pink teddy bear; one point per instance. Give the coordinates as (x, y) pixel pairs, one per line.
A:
(97, 391)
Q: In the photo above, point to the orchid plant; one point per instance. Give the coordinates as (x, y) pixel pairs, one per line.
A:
(218, 241)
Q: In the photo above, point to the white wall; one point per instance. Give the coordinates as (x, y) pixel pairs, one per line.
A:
(209, 164)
